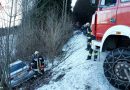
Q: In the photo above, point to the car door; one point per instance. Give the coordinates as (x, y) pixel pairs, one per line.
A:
(106, 16)
(123, 13)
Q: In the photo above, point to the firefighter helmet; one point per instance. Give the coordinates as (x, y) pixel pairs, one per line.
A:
(36, 52)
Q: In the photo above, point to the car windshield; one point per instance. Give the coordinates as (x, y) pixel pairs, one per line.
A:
(17, 67)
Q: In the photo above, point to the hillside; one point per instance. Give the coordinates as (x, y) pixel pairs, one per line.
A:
(77, 73)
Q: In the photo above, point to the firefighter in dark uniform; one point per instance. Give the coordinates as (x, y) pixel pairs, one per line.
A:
(84, 29)
(90, 37)
(38, 63)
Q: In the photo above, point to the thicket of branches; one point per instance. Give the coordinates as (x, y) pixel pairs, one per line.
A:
(45, 28)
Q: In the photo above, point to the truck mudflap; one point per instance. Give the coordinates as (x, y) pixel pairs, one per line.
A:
(96, 45)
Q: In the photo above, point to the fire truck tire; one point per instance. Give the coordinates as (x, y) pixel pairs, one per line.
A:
(115, 65)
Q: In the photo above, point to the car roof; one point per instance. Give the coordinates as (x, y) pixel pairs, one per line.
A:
(16, 62)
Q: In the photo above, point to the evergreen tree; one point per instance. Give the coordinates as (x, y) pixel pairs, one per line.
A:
(83, 11)
(42, 6)
(51, 3)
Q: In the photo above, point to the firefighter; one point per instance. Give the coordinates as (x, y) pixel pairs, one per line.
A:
(88, 34)
(84, 29)
(37, 63)
(77, 25)
(90, 37)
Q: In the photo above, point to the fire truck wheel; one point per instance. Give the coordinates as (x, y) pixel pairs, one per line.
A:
(116, 64)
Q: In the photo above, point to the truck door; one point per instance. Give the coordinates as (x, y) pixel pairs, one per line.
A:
(106, 16)
(123, 13)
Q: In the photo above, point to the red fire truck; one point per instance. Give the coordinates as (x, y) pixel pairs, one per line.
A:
(111, 27)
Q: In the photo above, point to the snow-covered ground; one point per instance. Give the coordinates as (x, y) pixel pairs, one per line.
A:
(77, 73)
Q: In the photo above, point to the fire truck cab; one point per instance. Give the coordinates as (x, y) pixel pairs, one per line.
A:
(111, 27)
(111, 24)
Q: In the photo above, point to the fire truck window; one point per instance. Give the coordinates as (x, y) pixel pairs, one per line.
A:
(108, 2)
(125, 0)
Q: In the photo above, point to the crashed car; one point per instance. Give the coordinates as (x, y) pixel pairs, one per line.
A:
(19, 73)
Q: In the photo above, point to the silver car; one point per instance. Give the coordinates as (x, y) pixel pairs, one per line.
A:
(19, 73)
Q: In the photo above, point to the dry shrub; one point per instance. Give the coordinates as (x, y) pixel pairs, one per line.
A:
(57, 31)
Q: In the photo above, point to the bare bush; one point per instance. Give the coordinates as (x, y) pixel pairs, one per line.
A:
(57, 31)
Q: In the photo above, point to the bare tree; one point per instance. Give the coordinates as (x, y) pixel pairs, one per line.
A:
(9, 19)
(56, 33)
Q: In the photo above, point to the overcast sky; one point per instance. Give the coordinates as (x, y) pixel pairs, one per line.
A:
(5, 12)
(73, 3)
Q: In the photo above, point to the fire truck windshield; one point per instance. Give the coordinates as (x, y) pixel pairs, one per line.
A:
(107, 2)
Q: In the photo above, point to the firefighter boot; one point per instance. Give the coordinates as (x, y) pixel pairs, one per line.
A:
(95, 55)
(89, 58)
(95, 59)
(90, 54)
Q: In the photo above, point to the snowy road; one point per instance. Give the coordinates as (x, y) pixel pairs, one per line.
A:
(77, 73)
